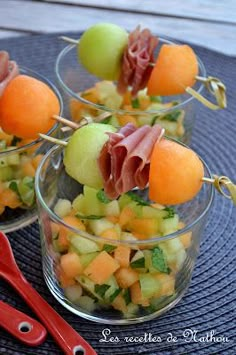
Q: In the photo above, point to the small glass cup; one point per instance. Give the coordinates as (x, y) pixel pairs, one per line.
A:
(18, 163)
(158, 271)
(175, 113)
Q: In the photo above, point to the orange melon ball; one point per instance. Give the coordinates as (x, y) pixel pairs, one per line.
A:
(176, 173)
(175, 69)
(27, 106)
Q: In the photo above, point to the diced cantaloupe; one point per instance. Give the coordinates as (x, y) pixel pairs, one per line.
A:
(126, 276)
(9, 198)
(167, 284)
(119, 304)
(65, 281)
(146, 226)
(124, 119)
(64, 232)
(71, 264)
(136, 295)
(126, 215)
(110, 233)
(101, 268)
(122, 255)
(186, 239)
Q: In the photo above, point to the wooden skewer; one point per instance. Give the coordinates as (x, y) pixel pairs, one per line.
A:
(53, 140)
(84, 121)
(66, 122)
(69, 39)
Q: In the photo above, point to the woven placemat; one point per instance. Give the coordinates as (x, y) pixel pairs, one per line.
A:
(210, 302)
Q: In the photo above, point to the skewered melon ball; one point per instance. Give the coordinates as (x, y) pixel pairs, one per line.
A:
(100, 50)
(27, 106)
(175, 69)
(176, 173)
(82, 151)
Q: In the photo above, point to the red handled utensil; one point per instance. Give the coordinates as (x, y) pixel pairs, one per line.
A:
(65, 336)
(21, 326)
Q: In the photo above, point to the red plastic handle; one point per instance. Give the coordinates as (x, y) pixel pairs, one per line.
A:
(66, 337)
(21, 326)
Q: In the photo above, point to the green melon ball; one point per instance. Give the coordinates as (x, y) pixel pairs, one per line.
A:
(100, 50)
(82, 151)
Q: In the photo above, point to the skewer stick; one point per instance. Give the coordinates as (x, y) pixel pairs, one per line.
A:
(53, 140)
(69, 39)
(221, 182)
(66, 122)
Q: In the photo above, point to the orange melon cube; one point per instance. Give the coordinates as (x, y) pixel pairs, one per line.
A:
(167, 284)
(71, 264)
(146, 226)
(126, 276)
(122, 255)
(119, 304)
(9, 198)
(126, 215)
(101, 268)
(65, 281)
(136, 295)
(124, 119)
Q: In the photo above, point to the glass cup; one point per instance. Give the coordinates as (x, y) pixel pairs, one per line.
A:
(101, 268)
(85, 95)
(18, 162)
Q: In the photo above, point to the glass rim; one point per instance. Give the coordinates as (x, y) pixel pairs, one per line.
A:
(67, 90)
(25, 70)
(148, 241)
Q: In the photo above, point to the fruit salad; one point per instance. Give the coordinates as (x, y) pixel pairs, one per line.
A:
(119, 245)
(144, 109)
(27, 103)
(110, 272)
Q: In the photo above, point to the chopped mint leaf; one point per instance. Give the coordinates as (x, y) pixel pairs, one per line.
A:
(15, 140)
(171, 212)
(102, 197)
(115, 294)
(156, 99)
(91, 216)
(138, 199)
(106, 120)
(101, 289)
(137, 264)
(127, 296)
(172, 117)
(159, 261)
(135, 103)
(13, 186)
(109, 248)
(154, 119)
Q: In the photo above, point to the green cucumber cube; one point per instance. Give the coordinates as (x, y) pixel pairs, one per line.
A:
(62, 207)
(6, 173)
(149, 285)
(83, 245)
(169, 225)
(98, 226)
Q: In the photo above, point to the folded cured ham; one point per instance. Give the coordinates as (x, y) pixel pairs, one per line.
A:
(124, 160)
(8, 70)
(136, 69)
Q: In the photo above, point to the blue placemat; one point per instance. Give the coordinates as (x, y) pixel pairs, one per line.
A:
(208, 309)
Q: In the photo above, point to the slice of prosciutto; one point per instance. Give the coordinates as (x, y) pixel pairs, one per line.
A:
(8, 70)
(124, 160)
(136, 69)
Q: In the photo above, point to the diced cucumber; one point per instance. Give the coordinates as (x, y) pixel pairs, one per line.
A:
(98, 226)
(151, 212)
(124, 200)
(113, 120)
(148, 261)
(92, 205)
(169, 225)
(170, 127)
(78, 204)
(144, 119)
(136, 208)
(13, 159)
(132, 310)
(86, 303)
(73, 293)
(88, 285)
(113, 287)
(87, 258)
(62, 207)
(180, 258)
(149, 285)
(112, 208)
(26, 190)
(6, 173)
(129, 237)
(83, 245)
(3, 161)
(174, 245)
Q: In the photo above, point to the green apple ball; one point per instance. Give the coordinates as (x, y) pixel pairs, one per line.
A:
(82, 151)
(100, 50)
